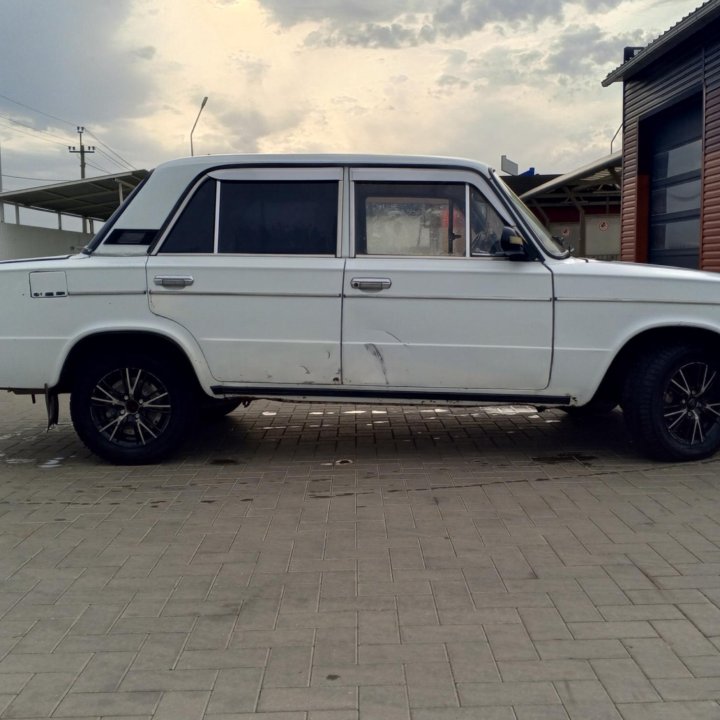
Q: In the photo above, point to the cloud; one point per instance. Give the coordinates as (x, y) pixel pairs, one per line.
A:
(146, 53)
(395, 24)
(582, 50)
(67, 56)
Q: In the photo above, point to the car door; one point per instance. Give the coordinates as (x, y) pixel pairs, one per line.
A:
(251, 267)
(426, 304)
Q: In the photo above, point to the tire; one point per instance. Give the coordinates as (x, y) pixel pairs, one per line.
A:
(671, 403)
(131, 408)
(212, 409)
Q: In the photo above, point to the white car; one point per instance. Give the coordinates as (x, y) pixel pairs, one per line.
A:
(369, 278)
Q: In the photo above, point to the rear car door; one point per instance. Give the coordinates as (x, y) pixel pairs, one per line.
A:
(251, 268)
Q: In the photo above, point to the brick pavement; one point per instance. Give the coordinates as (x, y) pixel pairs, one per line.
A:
(318, 562)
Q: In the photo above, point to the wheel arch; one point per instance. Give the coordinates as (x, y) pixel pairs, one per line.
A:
(643, 343)
(102, 342)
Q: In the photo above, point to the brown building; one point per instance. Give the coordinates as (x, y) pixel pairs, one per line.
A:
(671, 145)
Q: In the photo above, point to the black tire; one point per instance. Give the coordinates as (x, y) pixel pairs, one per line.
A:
(671, 403)
(131, 408)
(212, 409)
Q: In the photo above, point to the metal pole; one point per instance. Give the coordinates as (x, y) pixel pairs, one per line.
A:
(202, 105)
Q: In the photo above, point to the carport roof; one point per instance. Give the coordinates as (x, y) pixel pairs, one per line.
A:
(593, 184)
(96, 197)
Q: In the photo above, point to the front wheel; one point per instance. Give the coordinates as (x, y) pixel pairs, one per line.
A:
(672, 403)
(130, 408)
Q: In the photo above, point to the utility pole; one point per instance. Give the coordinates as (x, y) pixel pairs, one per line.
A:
(83, 151)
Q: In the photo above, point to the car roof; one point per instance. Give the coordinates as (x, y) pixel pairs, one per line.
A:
(202, 162)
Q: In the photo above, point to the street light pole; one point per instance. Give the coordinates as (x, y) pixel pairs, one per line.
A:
(202, 105)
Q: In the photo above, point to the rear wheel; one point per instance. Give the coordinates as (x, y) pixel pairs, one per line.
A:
(672, 403)
(131, 408)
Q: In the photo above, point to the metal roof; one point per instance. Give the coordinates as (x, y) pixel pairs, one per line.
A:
(596, 183)
(678, 33)
(95, 198)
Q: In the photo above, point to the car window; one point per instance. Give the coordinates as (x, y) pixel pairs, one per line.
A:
(275, 217)
(424, 219)
(194, 230)
(486, 226)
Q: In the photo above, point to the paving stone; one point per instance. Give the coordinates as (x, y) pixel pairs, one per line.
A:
(256, 576)
(671, 711)
(430, 685)
(315, 698)
(39, 696)
(235, 691)
(507, 693)
(657, 659)
(544, 670)
(624, 681)
(108, 704)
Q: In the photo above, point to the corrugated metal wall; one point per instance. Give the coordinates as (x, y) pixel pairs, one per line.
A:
(710, 248)
(695, 69)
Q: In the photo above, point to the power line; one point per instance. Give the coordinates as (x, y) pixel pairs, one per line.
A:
(112, 159)
(100, 142)
(97, 167)
(37, 135)
(30, 127)
(25, 177)
(67, 122)
(28, 107)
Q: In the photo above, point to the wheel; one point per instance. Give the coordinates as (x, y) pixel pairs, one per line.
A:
(130, 408)
(671, 403)
(216, 409)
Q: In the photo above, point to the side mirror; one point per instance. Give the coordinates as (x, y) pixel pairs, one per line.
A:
(512, 244)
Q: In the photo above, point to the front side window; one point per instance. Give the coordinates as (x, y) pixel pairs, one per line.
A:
(426, 219)
(284, 218)
(486, 226)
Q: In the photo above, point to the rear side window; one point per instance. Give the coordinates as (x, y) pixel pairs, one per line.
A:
(283, 218)
(194, 231)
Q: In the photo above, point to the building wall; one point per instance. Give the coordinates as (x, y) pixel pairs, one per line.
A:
(21, 241)
(711, 168)
(686, 71)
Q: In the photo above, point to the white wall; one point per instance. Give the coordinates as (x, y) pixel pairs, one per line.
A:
(21, 241)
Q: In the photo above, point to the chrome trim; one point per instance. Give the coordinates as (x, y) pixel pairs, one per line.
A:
(454, 298)
(85, 293)
(211, 293)
(638, 301)
(174, 280)
(370, 284)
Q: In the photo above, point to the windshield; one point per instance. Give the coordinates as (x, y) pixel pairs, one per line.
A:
(549, 243)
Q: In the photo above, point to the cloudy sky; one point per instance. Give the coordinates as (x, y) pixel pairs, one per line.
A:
(474, 78)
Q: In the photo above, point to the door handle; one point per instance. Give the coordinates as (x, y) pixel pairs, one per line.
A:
(370, 284)
(174, 280)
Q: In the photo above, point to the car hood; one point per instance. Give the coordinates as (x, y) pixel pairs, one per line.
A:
(580, 279)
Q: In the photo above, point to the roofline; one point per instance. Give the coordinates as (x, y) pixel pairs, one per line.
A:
(666, 42)
(7, 195)
(593, 167)
(359, 159)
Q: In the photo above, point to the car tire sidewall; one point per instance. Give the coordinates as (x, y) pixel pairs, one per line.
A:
(644, 404)
(179, 396)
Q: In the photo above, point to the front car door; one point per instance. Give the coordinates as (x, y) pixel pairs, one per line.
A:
(426, 304)
(251, 268)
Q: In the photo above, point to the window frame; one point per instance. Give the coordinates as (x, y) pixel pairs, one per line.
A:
(430, 176)
(260, 175)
